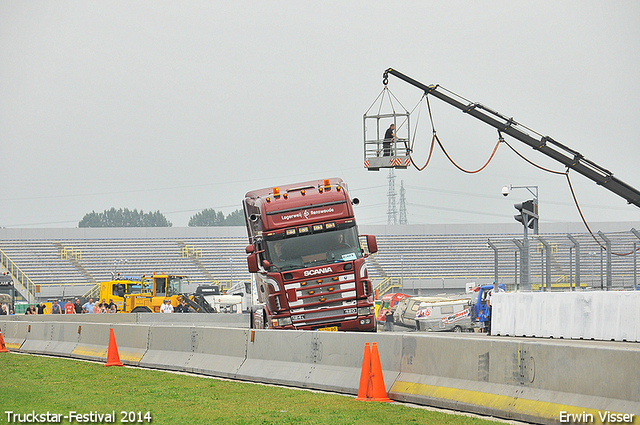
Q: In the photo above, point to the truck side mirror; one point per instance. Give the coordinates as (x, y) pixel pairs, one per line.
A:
(249, 249)
(372, 244)
(252, 263)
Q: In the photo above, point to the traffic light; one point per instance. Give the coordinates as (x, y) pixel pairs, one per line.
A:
(528, 213)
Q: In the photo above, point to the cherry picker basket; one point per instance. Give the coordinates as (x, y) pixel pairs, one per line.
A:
(381, 152)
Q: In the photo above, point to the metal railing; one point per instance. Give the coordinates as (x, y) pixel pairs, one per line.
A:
(385, 285)
(22, 282)
(376, 148)
(191, 251)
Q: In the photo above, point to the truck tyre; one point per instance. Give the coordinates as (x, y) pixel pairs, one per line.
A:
(457, 329)
(141, 309)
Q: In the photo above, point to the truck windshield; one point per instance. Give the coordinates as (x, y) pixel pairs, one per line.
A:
(175, 285)
(314, 249)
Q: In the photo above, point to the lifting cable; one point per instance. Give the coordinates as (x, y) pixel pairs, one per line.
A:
(619, 254)
(529, 161)
(575, 199)
(435, 138)
(413, 141)
(462, 169)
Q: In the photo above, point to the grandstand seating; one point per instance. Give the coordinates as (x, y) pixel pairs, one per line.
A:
(219, 258)
(222, 258)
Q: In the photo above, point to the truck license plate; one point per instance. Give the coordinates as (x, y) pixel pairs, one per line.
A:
(329, 329)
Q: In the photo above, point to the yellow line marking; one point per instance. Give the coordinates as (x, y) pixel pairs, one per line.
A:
(90, 351)
(534, 408)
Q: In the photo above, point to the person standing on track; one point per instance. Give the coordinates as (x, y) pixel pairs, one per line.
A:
(69, 308)
(55, 308)
(495, 290)
(166, 307)
(88, 306)
(388, 321)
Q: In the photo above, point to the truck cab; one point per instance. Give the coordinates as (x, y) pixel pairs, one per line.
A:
(307, 258)
(480, 309)
(143, 294)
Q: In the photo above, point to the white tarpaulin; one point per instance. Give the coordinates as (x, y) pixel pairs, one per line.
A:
(613, 315)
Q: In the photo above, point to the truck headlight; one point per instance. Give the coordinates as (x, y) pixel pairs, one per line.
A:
(284, 321)
(364, 311)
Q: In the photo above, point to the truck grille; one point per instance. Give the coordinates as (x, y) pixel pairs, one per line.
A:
(323, 299)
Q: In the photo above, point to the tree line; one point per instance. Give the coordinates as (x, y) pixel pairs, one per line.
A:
(128, 218)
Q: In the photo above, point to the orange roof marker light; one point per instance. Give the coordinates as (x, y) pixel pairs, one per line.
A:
(327, 184)
(276, 192)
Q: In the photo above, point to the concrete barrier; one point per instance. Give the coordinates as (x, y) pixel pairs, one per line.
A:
(527, 380)
(64, 338)
(279, 357)
(37, 338)
(93, 342)
(320, 360)
(210, 351)
(14, 333)
(338, 363)
(169, 347)
(513, 378)
(217, 351)
(132, 341)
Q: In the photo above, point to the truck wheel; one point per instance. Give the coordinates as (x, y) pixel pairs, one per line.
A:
(141, 309)
(457, 329)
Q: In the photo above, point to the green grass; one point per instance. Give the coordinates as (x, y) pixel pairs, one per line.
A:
(56, 385)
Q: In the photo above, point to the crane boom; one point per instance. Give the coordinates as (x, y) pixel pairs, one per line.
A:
(553, 149)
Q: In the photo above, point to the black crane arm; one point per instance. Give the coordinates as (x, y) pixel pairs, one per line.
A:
(561, 153)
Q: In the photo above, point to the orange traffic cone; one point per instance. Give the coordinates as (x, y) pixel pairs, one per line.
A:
(3, 348)
(113, 358)
(371, 380)
(365, 373)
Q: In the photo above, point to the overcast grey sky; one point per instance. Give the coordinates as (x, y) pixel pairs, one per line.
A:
(181, 106)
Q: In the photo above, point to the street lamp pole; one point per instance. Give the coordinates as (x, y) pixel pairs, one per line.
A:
(534, 191)
(495, 259)
(526, 216)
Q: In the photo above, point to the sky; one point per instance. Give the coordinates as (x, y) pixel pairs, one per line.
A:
(176, 106)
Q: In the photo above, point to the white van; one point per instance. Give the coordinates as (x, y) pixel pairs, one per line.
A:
(405, 314)
(450, 315)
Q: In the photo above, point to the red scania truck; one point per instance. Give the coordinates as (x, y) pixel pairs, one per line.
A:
(307, 260)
